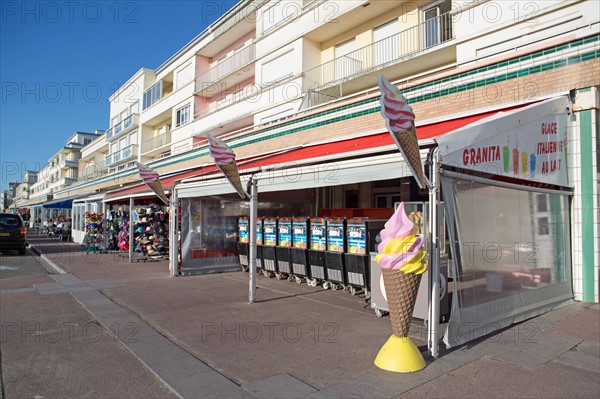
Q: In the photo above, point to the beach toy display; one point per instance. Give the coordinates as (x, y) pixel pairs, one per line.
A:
(402, 258)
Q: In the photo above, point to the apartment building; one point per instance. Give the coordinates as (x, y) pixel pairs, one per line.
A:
(23, 190)
(92, 158)
(58, 175)
(273, 76)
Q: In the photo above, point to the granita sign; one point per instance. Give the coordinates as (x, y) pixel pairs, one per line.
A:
(528, 143)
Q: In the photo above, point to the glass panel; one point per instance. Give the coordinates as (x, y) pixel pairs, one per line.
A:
(511, 259)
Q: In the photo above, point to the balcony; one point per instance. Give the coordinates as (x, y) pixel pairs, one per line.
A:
(67, 163)
(125, 154)
(397, 48)
(207, 83)
(156, 142)
(125, 126)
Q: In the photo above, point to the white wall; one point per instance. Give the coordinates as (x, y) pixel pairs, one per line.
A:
(516, 25)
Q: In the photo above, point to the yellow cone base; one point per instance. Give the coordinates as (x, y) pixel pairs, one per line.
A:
(400, 355)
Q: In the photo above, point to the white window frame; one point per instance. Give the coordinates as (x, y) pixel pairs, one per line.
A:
(182, 115)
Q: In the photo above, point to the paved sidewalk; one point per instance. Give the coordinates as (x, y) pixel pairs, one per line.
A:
(198, 337)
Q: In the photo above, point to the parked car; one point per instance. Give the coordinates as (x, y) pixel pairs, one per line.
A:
(13, 233)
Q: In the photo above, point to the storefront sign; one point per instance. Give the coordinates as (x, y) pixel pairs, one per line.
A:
(528, 144)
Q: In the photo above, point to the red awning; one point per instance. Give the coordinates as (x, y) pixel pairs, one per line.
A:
(311, 151)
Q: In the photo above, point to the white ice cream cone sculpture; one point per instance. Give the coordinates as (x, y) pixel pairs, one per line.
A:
(230, 170)
(152, 180)
(402, 261)
(225, 161)
(400, 121)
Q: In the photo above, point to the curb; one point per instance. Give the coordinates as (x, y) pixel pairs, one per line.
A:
(49, 264)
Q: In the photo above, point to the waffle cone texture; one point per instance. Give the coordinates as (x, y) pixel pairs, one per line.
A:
(401, 290)
(159, 191)
(231, 171)
(409, 146)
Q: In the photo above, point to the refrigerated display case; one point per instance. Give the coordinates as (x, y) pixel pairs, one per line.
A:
(298, 252)
(243, 242)
(334, 256)
(259, 244)
(284, 244)
(269, 254)
(362, 239)
(316, 251)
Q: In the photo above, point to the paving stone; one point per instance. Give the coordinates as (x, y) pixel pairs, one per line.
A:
(356, 389)
(589, 348)
(50, 292)
(547, 319)
(319, 395)
(65, 278)
(47, 286)
(180, 368)
(580, 360)
(74, 284)
(531, 350)
(79, 288)
(209, 384)
(17, 291)
(395, 384)
(91, 295)
(279, 386)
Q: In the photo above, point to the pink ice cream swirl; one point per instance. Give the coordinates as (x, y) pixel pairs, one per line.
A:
(219, 151)
(397, 113)
(398, 243)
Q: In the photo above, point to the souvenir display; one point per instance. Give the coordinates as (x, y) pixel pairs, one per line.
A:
(93, 231)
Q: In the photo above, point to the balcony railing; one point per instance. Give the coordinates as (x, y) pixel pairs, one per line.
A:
(67, 163)
(403, 45)
(225, 68)
(156, 142)
(122, 155)
(123, 127)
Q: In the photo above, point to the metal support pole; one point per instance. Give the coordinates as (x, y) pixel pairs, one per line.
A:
(130, 229)
(252, 254)
(106, 210)
(434, 257)
(174, 239)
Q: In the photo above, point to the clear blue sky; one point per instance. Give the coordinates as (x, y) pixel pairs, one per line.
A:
(61, 60)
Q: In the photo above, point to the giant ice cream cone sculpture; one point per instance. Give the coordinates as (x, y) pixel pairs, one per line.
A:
(400, 121)
(402, 261)
(225, 161)
(152, 180)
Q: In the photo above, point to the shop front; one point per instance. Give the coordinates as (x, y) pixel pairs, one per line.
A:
(506, 214)
(136, 225)
(507, 203)
(91, 204)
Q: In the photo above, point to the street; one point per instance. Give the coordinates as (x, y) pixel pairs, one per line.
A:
(13, 265)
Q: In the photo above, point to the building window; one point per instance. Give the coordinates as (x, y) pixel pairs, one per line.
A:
(182, 116)
(542, 203)
(438, 23)
(543, 227)
(86, 141)
(152, 95)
